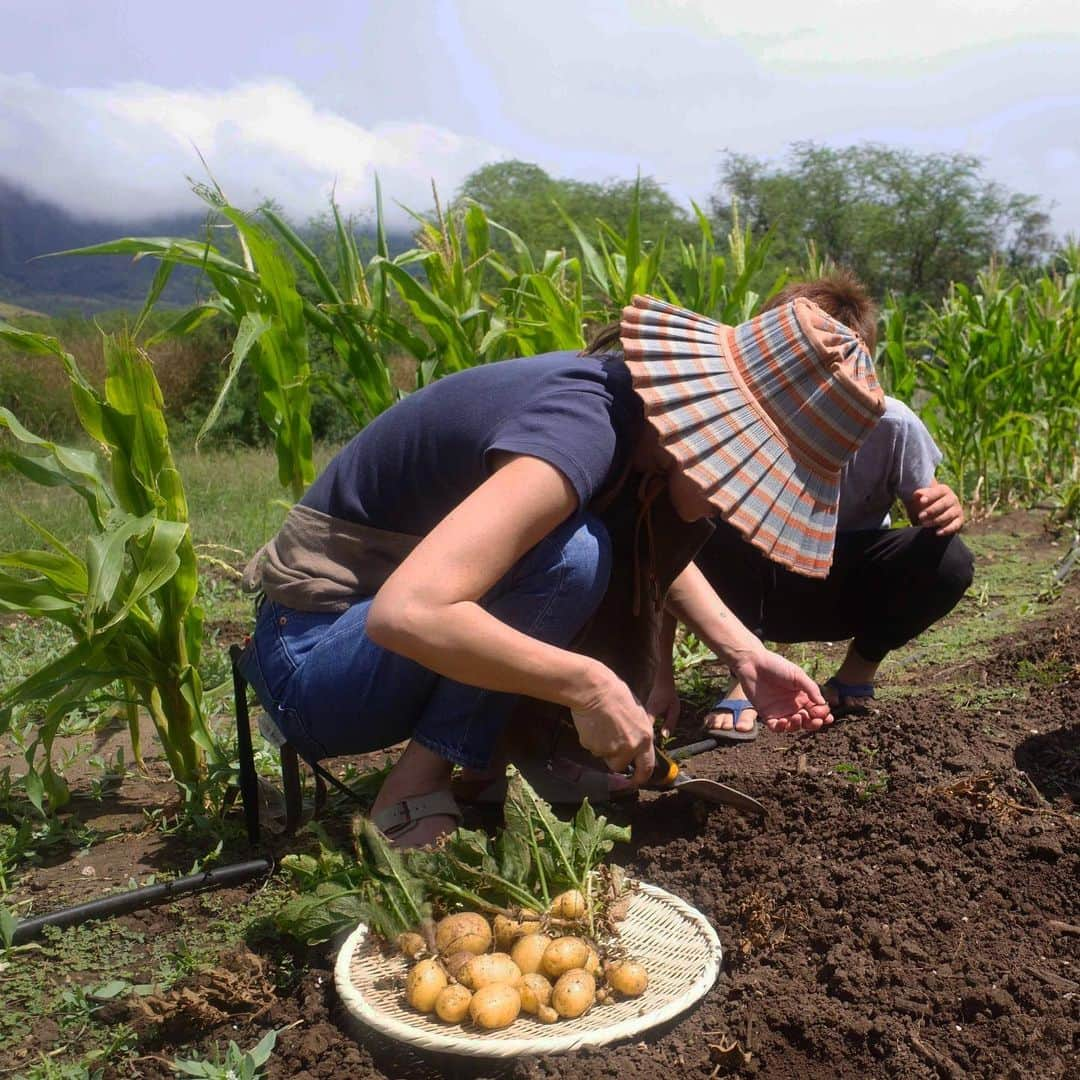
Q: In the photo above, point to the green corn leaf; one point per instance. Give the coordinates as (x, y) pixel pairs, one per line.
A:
(520, 248)
(33, 344)
(252, 327)
(156, 561)
(437, 317)
(50, 538)
(64, 571)
(59, 466)
(594, 263)
(303, 252)
(157, 287)
(477, 233)
(201, 256)
(105, 556)
(35, 790)
(39, 597)
(187, 323)
(349, 269)
(59, 673)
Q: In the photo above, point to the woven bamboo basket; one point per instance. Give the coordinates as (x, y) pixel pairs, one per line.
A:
(678, 947)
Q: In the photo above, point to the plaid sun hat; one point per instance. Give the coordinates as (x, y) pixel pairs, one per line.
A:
(760, 416)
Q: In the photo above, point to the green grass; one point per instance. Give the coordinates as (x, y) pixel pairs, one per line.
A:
(234, 501)
(96, 954)
(1009, 574)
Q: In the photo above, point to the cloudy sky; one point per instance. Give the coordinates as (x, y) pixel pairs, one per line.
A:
(102, 102)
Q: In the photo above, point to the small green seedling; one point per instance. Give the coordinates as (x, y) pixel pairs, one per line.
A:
(865, 787)
(237, 1064)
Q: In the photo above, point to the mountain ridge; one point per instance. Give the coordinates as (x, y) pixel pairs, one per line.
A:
(32, 227)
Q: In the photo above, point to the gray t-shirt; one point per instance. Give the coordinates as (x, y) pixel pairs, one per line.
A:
(897, 459)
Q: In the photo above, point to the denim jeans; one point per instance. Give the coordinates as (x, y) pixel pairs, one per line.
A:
(331, 690)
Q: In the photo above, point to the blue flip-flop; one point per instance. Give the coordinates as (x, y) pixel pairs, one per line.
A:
(846, 691)
(735, 706)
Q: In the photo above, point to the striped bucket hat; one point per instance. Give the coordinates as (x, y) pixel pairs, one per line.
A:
(761, 416)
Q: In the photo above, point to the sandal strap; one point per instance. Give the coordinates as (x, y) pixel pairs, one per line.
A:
(851, 690)
(401, 815)
(733, 705)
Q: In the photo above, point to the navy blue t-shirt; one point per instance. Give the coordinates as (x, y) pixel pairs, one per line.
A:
(415, 462)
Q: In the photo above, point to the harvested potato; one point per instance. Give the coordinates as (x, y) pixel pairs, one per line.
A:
(464, 932)
(528, 952)
(535, 991)
(410, 945)
(568, 905)
(562, 955)
(490, 968)
(592, 962)
(423, 984)
(506, 932)
(495, 1006)
(573, 993)
(546, 1014)
(455, 963)
(627, 977)
(452, 1004)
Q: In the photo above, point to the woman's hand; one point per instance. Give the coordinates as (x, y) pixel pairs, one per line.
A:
(612, 724)
(786, 698)
(937, 507)
(663, 700)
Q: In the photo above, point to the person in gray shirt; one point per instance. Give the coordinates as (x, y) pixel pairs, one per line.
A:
(886, 585)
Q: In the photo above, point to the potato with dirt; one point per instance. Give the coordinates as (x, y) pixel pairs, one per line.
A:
(495, 1006)
(508, 930)
(452, 1004)
(528, 952)
(574, 993)
(455, 963)
(491, 968)
(464, 932)
(564, 954)
(535, 993)
(568, 905)
(423, 984)
(627, 977)
(411, 945)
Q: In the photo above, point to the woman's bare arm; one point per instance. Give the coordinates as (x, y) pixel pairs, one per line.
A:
(783, 694)
(429, 611)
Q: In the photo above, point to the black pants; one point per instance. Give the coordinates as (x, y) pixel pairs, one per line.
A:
(886, 587)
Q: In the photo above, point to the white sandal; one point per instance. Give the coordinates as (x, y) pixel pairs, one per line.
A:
(403, 815)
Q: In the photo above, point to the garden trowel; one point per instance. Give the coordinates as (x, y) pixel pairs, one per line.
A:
(667, 776)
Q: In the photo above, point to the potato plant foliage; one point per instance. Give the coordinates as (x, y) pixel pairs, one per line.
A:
(532, 859)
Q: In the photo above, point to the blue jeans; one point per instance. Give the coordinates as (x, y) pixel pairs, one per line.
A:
(331, 690)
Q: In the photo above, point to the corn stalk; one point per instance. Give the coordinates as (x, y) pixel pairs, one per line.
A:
(129, 599)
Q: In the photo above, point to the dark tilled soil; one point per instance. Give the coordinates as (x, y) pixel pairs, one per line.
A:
(918, 919)
(913, 913)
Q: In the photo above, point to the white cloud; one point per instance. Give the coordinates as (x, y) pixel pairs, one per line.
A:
(796, 35)
(124, 151)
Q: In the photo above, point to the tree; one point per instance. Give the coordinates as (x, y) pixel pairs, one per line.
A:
(904, 222)
(525, 199)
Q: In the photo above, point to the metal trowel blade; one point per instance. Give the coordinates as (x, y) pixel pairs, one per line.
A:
(715, 792)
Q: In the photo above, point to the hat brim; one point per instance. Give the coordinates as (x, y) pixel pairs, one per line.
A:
(736, 457)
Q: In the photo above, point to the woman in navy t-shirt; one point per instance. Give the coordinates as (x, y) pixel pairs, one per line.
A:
(447, 557)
